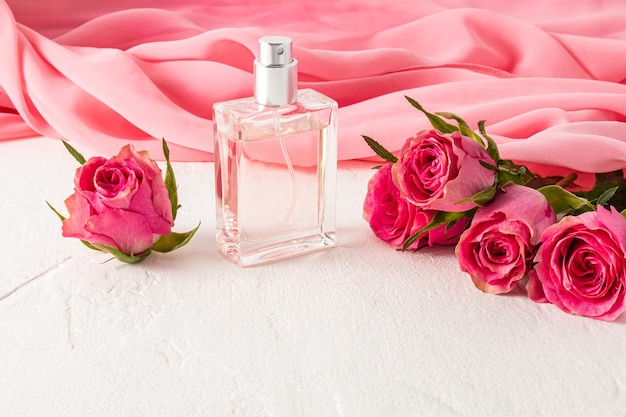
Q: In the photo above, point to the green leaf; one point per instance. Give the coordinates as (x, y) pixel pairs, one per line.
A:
(121, 256)
(481, 198)
(62, 217)
(606, 196)
(77, 155)
(170, 180)
(441, 218)
(463, 126)
(603, 193)
(505, 176)
(174, 240)
(380, 150)
(510, 172)
(436, 121)
(563, 201)
(492, 147)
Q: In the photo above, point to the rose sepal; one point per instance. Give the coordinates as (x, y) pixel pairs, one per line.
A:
(436, 121)
(482, 198)
(463, 127)
(77, 155)
(492, 147)
(119, 255)
(170, 180)
(380, 150)
(174, 240)
(59, 215)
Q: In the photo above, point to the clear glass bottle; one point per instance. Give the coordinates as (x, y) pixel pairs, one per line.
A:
(275, 164)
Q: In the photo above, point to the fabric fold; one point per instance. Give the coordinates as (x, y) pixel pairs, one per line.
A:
(549, 81)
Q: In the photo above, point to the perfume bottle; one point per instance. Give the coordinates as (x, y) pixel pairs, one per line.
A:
(275, 164)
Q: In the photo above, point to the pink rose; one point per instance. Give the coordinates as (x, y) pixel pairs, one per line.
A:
(498, 248)
(121, 202)
(437, 170)
(581, 265)
(394, 220)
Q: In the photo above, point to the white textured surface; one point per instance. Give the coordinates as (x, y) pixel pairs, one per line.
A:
(360, 330)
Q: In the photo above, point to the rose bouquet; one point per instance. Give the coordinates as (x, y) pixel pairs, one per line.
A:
(123, 206)
(511, 227)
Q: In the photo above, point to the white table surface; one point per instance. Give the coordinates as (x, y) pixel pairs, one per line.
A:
(360, 330)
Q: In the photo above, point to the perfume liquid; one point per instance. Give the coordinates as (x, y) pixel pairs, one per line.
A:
(275, 169)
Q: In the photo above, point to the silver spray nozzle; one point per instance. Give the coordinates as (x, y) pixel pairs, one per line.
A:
(274, 50)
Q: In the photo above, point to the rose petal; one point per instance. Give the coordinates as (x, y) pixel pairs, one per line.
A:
(130, 231)
(76, 224)
(535, 288)
(84, 177)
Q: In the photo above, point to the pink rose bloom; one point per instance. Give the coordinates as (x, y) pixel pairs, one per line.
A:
(581, 265)
(394, 220)
(121, 202)
(437, 170)
(498, 248)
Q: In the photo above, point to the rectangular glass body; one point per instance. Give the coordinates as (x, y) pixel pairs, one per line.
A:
(275, 177)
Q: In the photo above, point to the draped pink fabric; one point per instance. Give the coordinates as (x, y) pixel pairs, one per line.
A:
(548, 77)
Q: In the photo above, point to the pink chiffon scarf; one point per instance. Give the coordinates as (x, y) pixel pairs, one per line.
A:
(548, 77)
